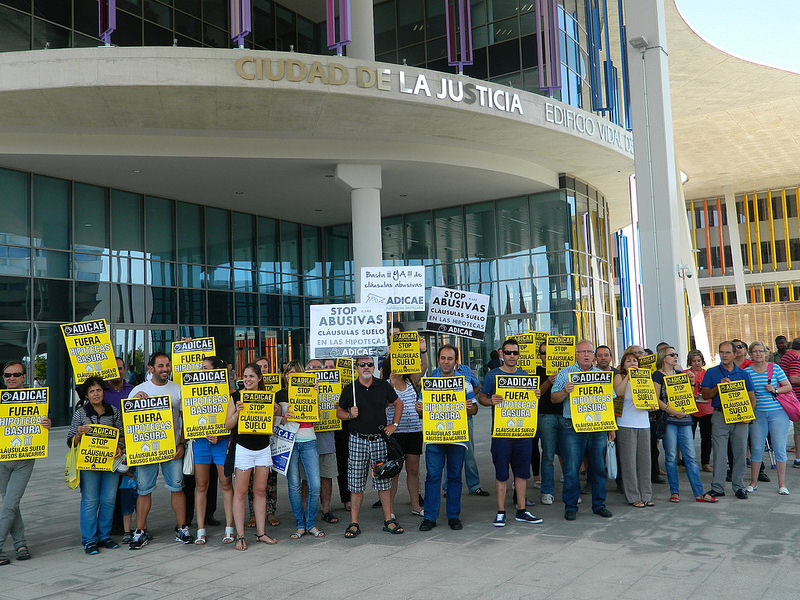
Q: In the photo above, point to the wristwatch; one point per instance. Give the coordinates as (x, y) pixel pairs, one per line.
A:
(395, 425)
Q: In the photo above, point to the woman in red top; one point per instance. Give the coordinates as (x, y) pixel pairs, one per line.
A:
(702, 417)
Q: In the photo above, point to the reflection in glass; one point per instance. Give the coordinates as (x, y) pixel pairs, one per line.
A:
(51, 202)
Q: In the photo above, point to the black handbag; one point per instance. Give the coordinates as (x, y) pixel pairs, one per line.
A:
(395, 458)
(658, 418)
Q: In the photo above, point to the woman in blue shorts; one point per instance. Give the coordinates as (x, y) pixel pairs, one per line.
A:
(207, 451)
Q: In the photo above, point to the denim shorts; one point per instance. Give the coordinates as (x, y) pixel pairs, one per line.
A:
(146, 476)
(206, 453)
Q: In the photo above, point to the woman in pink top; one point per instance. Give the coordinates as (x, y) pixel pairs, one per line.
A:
(702, 417)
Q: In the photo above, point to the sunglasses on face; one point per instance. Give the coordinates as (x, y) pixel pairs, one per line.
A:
(366, 364)
(10, 375)
(514, 352)
(673, 354)
(740, 346)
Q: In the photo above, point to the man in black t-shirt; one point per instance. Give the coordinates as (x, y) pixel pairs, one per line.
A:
(363, 405)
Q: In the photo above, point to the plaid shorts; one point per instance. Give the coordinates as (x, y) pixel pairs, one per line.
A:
(364, 454)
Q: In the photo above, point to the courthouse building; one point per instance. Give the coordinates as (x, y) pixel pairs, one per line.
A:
(178, 185)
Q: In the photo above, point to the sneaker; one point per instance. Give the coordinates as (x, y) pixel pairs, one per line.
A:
(796, 463)
(500, 520)
(91, 549)
(455, 524)
(783, 491)
(148, 535)
(523, 516)
(183, 536)
(138, 540)
(427, 525)
(127, 537)
(479, 492)
(547, 499)
(109, 543)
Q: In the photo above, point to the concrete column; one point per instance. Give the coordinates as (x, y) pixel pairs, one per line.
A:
(736, 246)
(364, 183)
(362, 31)
(656, 182)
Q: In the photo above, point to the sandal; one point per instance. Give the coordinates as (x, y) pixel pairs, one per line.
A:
(251, 522)
(396, 530)
(270, 540)
(639, 504)
(674, 498)
(352, 531)
(297, 534)
(228, 539)
(240, 543)
(23, 553)
(273, 522)
(316, 533)
(706, 498)
(329, 517)
(4, 560)
(649, 504)
(201, 537)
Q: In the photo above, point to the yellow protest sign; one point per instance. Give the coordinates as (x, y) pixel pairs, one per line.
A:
(330, 388)
(90, 351)
(204, 402)
(444, 410)
(259, 407)
(189, 355)
(303, 397)
(560, 353)
(541, 338)
(516, 416)
(21, 414)
(272, 381)
(149, 430)
(346, 368)
(680, 394)
(592, 401)
(528, 351)
(97, 448)
(642, 389)
(406, 359)
(736, 405)
(648, 362)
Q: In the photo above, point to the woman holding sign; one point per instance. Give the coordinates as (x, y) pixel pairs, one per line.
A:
(251, 455)
(768, 380)
(633, 438)
(679, 431)
(98, 487)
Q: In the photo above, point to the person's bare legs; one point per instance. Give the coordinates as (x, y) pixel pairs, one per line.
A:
(356, 498)
(519, 487)
(241, 483)
(412, 480)
(201, 476)
(325, 493)
(226, 485)
(755, 467)
(780, 468)
(386, 503)
(143, 504)
(500, 488)
(260, 475)
(178, 500)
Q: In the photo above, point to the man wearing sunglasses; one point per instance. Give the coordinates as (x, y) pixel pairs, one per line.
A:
(574, 445)
(740, 354)
(721, 431)
(14, 476)
(515, 452)
(363, 405)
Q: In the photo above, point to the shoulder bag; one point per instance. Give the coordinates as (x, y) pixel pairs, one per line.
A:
(787, 400)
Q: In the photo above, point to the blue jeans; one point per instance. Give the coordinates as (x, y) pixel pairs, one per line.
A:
(573, 447)
(98, 495)
(547, 430)
(470, 464)
(306, 452)
(681, 435)
(435, 457)
(775, 423)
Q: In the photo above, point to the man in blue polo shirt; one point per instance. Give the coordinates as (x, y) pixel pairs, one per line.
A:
(721, 431)
(575, 445)
(515, 452)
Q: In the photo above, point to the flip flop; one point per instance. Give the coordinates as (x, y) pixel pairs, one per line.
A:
(706, 498)
(637, 504)
(241, 545)
(269, 540)
(297, 534)
(649, 504)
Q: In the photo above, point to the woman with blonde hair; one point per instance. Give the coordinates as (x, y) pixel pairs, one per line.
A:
(768, 381)
(633, 438)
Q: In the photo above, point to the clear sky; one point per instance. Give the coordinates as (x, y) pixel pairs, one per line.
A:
(764, 31)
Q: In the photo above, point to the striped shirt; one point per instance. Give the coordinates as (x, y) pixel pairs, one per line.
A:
(409, 420)
(764, 400)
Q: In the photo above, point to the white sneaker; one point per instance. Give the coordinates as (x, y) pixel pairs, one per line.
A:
(751, 488)
(547, 498)
(783, 491)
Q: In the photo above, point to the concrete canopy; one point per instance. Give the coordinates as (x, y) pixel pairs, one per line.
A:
(736, 123)
(181, 123)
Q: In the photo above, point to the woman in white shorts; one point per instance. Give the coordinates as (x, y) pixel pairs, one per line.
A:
(252, 454)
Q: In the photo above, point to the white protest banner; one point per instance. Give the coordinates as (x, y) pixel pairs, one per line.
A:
(348, 330)
(458, 313)
(281, 444)
(399, 288)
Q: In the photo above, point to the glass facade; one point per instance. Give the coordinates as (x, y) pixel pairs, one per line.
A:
(159, 269)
